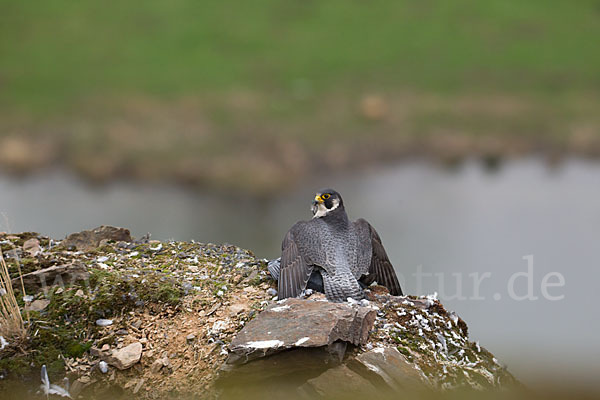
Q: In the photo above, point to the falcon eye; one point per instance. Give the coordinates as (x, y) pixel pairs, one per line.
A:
(326, 196)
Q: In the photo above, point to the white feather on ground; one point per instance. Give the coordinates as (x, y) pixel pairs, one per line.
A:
(49, 389)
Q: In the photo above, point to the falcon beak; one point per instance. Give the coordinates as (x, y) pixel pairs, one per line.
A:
(318, 200)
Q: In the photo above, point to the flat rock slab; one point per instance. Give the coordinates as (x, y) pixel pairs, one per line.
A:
(294, 323)
(89, 240)
(62, 275)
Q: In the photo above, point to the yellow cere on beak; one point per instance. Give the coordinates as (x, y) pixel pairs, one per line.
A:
(318, 199)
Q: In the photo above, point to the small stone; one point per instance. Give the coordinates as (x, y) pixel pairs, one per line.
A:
(237, 308)
(213, 309)
(96, 352)
(190, 338)
(252, 275)
(104, 322)
(272, 292)
(126, 357)
(156, 366)
(105, 347)
(79, 293)
(32, 247)
(38, 305)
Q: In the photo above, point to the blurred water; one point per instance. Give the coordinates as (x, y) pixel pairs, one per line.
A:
(460, 222)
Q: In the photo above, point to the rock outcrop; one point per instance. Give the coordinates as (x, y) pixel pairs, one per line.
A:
(385, 346)
(203, 320)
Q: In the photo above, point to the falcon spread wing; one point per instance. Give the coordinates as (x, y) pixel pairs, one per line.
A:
(380, 269)
(295, 271)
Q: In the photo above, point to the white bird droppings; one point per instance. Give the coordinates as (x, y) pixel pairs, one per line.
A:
(264, 344)
(280, 308)
(302, 340)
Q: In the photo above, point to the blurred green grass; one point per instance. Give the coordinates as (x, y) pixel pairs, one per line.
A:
(54, 53)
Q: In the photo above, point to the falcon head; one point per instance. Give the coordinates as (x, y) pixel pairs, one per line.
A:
(326, 201)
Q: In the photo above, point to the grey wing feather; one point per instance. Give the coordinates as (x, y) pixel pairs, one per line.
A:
(274, 266)
(381, 269)
(294, 271)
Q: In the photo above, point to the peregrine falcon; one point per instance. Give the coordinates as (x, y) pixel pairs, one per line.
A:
(333, 255)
